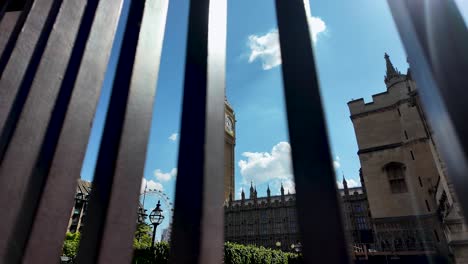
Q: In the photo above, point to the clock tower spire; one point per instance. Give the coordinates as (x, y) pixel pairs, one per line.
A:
(229, 145)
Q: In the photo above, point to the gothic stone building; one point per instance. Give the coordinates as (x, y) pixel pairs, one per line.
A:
(268, 220)
(356, 216)
(76, 222)
(262, 221)
(229, 146)
(399, 168)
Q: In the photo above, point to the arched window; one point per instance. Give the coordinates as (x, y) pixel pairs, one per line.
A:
(396, 177)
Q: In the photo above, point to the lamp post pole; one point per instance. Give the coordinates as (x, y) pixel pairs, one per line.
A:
(156, 217)
(154, 234)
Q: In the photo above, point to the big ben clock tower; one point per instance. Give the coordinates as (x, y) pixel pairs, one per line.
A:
(229, 143)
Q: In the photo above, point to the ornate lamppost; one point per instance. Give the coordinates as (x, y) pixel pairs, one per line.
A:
(278, 245)
(141, 215)
(156, 217)
(297, 247)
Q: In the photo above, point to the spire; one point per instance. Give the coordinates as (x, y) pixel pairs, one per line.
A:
(268, 191)
(391, 71)
(345, 185)
(252, 190)
(242, 194)
(282, 193)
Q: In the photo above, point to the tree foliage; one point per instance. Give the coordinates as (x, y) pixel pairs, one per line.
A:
(233, 254)
(142, 237)
(158, 255)
(70, 245)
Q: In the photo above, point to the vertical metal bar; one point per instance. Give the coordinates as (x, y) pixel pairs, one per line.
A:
(435, 37)
(197, 236)
(311, 157)
(27, 158)
(112, 217)
(6, 48)
(18, 74)
(53, 213)
(3, 8)
(7, 26)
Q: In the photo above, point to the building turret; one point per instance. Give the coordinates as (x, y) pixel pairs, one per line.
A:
(252, 191)
(391, 72)
(282, 192)
(230, 198)
(255, 195)
(363, 185)
(345, 186)
(242, 196)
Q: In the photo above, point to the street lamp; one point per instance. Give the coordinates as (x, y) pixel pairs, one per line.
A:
(278, 244)
(141, 215)
(297, 247)
(156, 217)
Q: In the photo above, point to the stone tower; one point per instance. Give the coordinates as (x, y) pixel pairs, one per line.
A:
(229, 144)
(398, 166)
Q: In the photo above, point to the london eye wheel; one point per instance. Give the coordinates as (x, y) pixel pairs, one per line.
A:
(150, 197)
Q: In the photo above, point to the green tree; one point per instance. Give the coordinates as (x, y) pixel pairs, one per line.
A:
(70, 245)
(143, 236)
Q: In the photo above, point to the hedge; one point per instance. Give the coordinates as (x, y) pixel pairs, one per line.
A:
(160, 255)
(233, 254)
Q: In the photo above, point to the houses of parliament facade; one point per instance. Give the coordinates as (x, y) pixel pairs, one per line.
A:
(405, 208)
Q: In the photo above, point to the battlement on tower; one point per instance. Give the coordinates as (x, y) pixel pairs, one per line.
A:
(395, 94)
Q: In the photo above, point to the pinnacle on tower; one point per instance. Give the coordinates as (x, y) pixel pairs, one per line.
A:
(391, 71)
(252, 191)
(268, 191)
(345, 186)
(345, 183)
(282, 193)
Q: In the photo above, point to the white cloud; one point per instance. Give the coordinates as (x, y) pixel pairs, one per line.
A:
(351, 183)
(150, 185)
(174, 136)
(261, 167)
(266, 47)
(272, 167)
(289, 186)
(165, 176)
(336, 163)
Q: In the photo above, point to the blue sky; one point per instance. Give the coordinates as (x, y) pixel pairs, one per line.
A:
(350, 40)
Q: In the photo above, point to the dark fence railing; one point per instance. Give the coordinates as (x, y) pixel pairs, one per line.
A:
(53, 58)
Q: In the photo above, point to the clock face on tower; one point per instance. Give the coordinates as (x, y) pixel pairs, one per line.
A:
(228, 124)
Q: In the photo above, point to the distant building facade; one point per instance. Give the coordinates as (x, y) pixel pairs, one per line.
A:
(271, 221)
(267, 221)
(166, 234)
(77, 218)
(400, 167)
(356, 215)
(78, 213)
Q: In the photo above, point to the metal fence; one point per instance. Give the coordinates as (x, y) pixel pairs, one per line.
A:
(54, 56)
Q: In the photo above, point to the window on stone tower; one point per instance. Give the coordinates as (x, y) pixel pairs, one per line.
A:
(396, 177)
